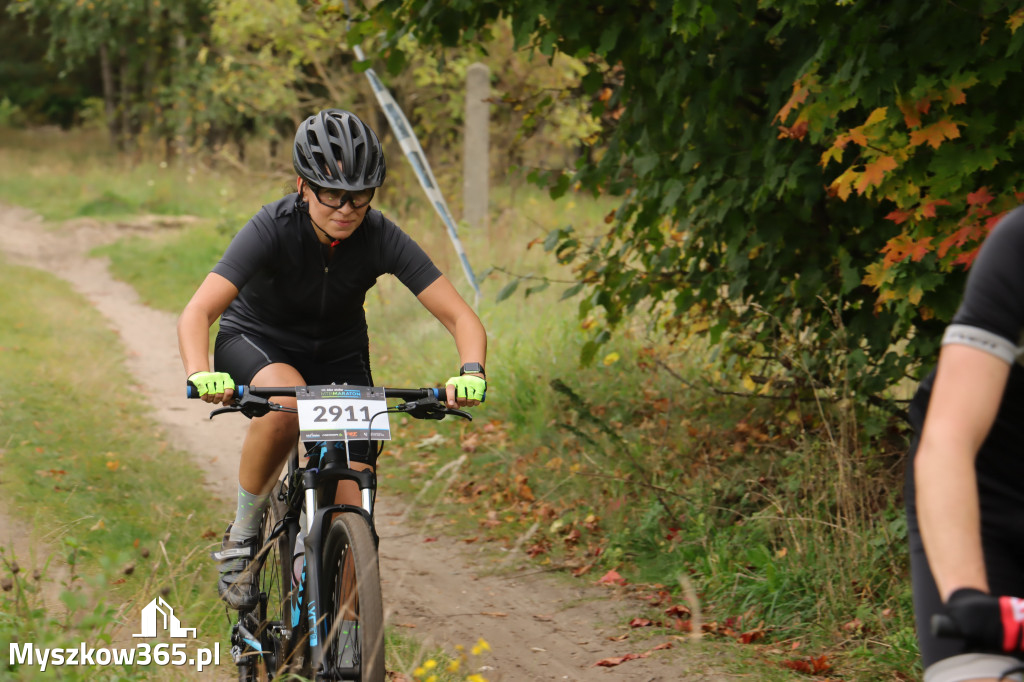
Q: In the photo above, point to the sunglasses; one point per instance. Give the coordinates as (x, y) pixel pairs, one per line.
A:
(336, 198)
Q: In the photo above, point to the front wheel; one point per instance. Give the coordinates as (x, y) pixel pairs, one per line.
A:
(355, 612)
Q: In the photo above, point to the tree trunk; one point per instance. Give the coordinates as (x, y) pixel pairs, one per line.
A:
(109, 103)
(126, 100)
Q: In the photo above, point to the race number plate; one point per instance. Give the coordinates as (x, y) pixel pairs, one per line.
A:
(334, 413)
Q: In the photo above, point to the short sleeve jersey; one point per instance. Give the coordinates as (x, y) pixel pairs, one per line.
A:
(304, 295)
(991, 318)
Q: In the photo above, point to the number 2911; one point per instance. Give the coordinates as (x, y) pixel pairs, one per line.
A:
(336, 412)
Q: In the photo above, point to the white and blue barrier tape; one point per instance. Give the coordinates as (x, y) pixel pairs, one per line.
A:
(418, 160)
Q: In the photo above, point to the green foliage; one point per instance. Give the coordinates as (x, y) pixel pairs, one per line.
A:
(728, 224)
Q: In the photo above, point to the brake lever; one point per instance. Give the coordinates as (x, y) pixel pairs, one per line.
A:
(249, 405)
(430, 408)
(459, 413)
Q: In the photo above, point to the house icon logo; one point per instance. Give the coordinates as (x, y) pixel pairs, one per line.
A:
(160, 612)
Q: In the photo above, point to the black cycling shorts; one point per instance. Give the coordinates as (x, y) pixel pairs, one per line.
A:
(244, 355)
(1003, 564)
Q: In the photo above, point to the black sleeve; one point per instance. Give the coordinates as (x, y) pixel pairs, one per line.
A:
(991, 316)
(250, 250)
(401, 256)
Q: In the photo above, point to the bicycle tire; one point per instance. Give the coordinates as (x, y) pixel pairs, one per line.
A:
(274, 585)
(355, 613)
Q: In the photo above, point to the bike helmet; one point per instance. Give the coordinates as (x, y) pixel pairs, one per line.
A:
(334, 149)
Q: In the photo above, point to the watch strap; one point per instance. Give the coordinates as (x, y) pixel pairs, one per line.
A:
(472, 368)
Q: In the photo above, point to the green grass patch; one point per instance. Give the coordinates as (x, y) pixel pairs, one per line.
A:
(85, 466)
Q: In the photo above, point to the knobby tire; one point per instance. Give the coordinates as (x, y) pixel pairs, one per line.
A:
(274, 585)
(352, 579)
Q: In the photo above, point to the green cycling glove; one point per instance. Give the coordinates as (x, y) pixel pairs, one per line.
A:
(211, 382)
(469, 387)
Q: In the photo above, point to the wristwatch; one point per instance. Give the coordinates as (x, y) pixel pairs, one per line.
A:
(472, 368)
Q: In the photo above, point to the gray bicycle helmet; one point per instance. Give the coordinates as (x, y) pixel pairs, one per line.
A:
(334, 149)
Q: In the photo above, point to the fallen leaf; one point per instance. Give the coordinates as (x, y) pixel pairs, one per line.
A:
(751, 636)
(496, 614)
(612, 578)
(619, 638)
(641, 623)
(618, 660)
(811, 665)
(663, 645)
(429, 539)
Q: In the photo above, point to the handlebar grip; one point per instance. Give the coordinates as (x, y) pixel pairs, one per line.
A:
(944, 626)
(192, 392)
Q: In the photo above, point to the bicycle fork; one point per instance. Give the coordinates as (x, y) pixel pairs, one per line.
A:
(318, 520)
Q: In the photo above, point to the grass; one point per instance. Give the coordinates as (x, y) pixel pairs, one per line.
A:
(80, 460)
(638, 463)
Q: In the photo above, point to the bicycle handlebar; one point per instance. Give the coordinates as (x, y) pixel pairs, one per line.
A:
(269, 392)
(252, 401)
(944, 626)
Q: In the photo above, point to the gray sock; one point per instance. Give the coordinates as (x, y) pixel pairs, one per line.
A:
(248, 515)
(247, 521)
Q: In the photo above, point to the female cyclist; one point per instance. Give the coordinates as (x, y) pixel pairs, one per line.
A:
(289, 291)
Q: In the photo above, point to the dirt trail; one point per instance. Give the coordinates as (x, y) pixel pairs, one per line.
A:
(538, 628)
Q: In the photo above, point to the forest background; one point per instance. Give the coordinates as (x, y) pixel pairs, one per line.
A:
(762, 214)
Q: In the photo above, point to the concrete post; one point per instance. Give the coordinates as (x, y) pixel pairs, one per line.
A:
(476, 140)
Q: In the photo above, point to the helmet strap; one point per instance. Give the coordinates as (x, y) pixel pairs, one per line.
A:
(334, 242)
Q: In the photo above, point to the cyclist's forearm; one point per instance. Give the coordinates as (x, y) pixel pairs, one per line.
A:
(194, 341)
(470, 339)
(948, 513)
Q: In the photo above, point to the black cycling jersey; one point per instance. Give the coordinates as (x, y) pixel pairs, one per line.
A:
(990, 318)
(305, 296)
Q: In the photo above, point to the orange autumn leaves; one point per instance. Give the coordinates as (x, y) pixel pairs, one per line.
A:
(896, 156)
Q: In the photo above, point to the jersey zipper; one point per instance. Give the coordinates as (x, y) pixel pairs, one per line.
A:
(323, 301)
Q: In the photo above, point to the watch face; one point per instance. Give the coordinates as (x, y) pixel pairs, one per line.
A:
(472, 367)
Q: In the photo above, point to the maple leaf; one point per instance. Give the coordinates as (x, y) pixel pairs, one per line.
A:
(858, 136)
(980, 198)
(1016, 20)
(877, 275)
(935, 133)
(919, 249)
(800, 92)
(898, 217)
(874, 172)
(910, 114)
(797, 131)
(843, 185)
(928, 210)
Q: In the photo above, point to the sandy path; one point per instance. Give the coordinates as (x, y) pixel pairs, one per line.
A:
(538, 628)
